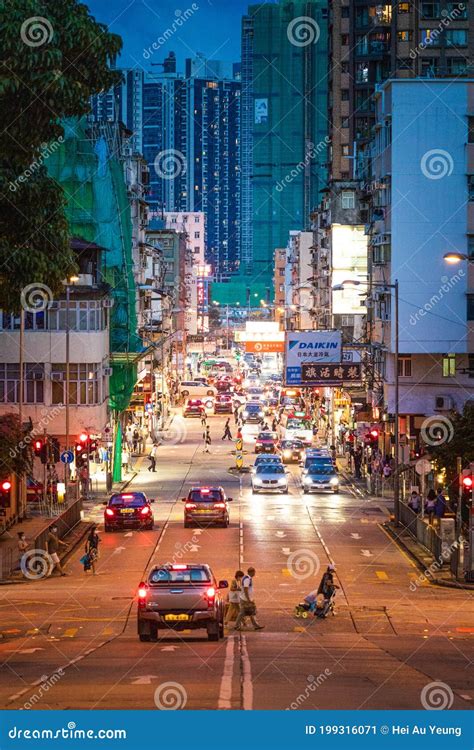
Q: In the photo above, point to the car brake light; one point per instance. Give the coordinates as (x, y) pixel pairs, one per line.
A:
(204, 491)
(210, 594)
(190, 506)
(126, 497)
(179, 566)
(145, 510)
(109, 512)
(142, 594)
(219, 505)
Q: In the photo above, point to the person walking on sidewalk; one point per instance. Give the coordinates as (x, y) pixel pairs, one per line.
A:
(23, 546)
(92, 550)
(236, 414)
(152, 457)
(203, 419)
(430, 505)
(415, 501)
(247, 602)
(357, 462)
(227, 433)
(53, 543)
(207, 439)
(440, 506)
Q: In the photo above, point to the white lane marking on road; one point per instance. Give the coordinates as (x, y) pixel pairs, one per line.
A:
(24, 650)
(165, 527)
(17, 695)
(280, 534)
(118, 549)
(356, 536)
(286, 550)
(225, 691)
(241, 542)
(169, 648)
(246, 676)
(197, 531)
(129, 533)
(366, 553)
(270, 518)
(144, 679)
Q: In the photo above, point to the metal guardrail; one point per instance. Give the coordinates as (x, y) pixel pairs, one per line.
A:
(421, 531)
(65, 522)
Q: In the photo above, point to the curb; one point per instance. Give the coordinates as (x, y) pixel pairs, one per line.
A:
(420, 564)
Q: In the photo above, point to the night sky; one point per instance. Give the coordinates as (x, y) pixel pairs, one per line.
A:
(213, 29)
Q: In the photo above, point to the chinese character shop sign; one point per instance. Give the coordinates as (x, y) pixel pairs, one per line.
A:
(332, 374)
(310, 348)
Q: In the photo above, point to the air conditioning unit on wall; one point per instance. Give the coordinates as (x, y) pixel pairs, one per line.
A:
(443, 403)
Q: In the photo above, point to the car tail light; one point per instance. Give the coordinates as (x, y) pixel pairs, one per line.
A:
(126, 497)
(109, 512)
(179, 567)
(219, 505)
(145, 510)
(190, 506)
(142, 594)
(211, 595)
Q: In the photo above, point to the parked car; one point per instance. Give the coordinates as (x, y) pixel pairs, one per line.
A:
(206, 506)
(180, 597)
(195, 389)
(126, 510)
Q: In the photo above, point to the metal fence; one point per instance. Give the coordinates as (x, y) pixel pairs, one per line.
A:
(65, 522)
(421, 531)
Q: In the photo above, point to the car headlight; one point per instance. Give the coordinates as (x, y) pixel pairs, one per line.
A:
(307, 480)
(282, 480)
(246, 413)
(287, 454)
(334, 481)
(260, 413)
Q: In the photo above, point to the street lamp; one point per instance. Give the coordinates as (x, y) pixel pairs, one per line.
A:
(396, 478)
(454, 258)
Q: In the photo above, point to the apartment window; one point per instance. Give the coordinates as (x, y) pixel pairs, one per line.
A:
(345, 150)
(83, 384)
(430, 10)
(362, 72)
(457, 10)
(456, 37)
(345, 11)
(470, 125)
(430, 37)
(33, 383)
(196, 219)
(470, 365)
(173, 220)
(344, 67)
(348, 199)
(404, 36)
(449, 366)
(344, 40)
(197, 235)
(404, 7)
(404, 367)
(429, 66)
(457, 66)
(344, 95)
(470, 306)
(470, 246)
(197, 250)
(470, 187)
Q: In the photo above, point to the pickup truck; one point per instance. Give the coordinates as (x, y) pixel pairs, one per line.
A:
(180, 597)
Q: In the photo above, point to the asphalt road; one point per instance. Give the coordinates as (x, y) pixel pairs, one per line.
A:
(72, 643)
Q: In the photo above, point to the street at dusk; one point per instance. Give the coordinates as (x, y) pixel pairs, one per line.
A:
(237, 373)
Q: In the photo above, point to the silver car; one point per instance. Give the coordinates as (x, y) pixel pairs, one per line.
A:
(319, 477)
(270, 478)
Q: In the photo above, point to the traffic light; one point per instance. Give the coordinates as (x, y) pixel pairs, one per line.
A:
(467, 482)
(5, 493)
(41, 450)
(37, 446)
(55, 450)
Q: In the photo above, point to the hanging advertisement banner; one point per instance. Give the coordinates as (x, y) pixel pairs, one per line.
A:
(310, 348)
(332, 374)
(264, 347)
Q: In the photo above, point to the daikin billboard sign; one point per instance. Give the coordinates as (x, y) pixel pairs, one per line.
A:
(310, 347)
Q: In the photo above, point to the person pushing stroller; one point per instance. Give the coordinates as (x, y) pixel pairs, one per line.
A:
(320, 601)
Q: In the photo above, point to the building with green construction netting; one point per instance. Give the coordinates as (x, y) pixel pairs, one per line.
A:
(89, 168)
(284, 132)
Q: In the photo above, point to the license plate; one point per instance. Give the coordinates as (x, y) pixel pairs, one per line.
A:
(203, 510)
(175, 618)
(127, 510)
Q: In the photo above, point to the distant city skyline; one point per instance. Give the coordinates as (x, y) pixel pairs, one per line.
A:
(187, 27)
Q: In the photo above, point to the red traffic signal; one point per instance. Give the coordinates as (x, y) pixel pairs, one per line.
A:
(37, 446)
(6, 486)
(83, 437)
(374, 434)
(467, 483)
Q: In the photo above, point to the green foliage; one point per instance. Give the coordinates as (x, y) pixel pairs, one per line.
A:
(53, 57)
(15, 452)
(462, 443)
